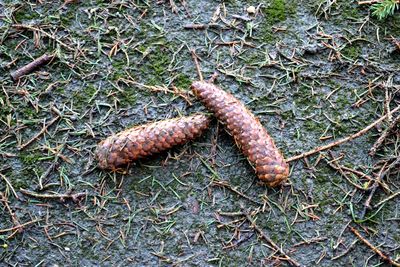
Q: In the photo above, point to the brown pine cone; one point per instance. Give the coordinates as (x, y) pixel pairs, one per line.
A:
(144, 140)
(249, 134)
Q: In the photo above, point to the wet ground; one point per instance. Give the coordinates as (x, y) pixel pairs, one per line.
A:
(312, 71)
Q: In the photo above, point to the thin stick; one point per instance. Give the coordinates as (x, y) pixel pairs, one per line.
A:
(367, 204)
(29, 27)
(38, 62)
(12, 214)
(343, 140)
(385, 134)
(228, 186)
(360, 174)
(213, 77)
(9, 184)
(368, 2)
(374, 249)
(382, 173)
(159, 88)
(386, 199)
(272, 243)
(196, 62)
(62, 197)
(339, 169)
(44, 129)
(201, 26)
(395, 41)
(18, 226)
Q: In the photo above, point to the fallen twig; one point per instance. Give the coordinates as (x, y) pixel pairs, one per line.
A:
(335, 166)
(38, 62)
(76, 197)
(384, 135)
(342, 169)
(386, 199)
(12, 214)
(343, 140)
(18, 226)
(29, 27)
(44, 129)
(310, 241)
(228, 186)
(382, 173)
(374, 249)
(159, 88)
(196, 62)
(271, 242)
(201, 26)
(239, 242)
(9, 185)
(368, 2)
(395, 41)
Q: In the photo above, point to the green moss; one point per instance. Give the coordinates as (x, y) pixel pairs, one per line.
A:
(83, 96)
(352, 52)
(314, 127)
(348, 10)
(68, 18)
(22, 182)
(253, 57)
(304, 96)
(127, 98)
(287, 115)
(29, 113)
(118, 63)
(155, 65)
(390, 25)
(4, 110)
(30, 158)
(23, 15)
(60, 90)
(182, 81)
(342, 102)
(275, 11)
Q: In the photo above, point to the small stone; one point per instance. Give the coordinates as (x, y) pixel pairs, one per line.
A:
(251, 10)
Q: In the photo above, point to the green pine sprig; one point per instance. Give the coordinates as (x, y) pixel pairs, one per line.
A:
(385, 8)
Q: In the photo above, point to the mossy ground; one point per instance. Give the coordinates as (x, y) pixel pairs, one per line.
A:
(312, 73)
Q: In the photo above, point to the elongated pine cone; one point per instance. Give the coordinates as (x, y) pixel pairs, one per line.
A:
(141, 141)
(249, 134)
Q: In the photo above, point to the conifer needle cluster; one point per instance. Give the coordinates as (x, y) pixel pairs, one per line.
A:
(384, 8)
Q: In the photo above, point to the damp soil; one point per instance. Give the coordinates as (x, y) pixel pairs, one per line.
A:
(310, 70)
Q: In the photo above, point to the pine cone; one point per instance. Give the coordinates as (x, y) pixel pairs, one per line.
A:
(249, 134)
(144, 140)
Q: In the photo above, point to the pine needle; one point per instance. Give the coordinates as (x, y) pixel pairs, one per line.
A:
(384, 9)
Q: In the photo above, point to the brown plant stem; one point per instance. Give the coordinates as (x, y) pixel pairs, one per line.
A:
(271, 242)
(44, 129)
(343, 140)
(29, 68)
(373, 248)
(62, 197)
